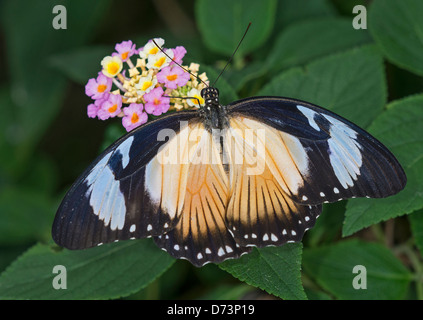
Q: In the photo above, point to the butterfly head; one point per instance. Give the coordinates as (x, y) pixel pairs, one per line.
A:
(210, 96)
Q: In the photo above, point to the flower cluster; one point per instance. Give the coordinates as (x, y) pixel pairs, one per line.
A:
(153, 86)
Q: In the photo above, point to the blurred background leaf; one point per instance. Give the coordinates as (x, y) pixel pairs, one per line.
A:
(397, 28)
(222, 24)
(332, 267)
(36, 89)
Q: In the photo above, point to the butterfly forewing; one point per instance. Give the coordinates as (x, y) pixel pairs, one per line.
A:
(335, 158)
(109, 202)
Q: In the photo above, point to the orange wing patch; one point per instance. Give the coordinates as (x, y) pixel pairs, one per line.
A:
(261, 210)
(201, 234)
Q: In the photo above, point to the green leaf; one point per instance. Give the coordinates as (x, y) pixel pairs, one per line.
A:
(302, 42)
(332, 268)
(106, 272)
(277, 270)
(291, 11)
(329, 225)
(351, 84)
(82, 63)
(222, 24)
(397, 27)
(226, 93)
(227, 292)
(416, 224)
(25, 215)
(36, 89)
(399, 129)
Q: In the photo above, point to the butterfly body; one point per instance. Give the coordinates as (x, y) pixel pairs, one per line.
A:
(213, 113)
(209, 184)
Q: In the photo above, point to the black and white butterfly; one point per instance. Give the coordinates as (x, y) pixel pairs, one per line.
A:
(209, 184)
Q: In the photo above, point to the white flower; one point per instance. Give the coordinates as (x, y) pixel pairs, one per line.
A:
(160, 60)
(112, 66)
(151, 49)
(146, 84)
(195, 93)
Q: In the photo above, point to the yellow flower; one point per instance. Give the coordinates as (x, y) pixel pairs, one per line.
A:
(150, 48)
(112, 66)
(160, 60)
(146, 84)
(194, 93)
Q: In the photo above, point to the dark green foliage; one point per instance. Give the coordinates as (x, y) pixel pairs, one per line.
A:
(303, 49)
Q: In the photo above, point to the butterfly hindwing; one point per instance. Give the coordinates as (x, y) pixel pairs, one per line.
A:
(335, 158)
(261, 210)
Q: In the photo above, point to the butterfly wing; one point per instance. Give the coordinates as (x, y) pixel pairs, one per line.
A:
(163, 180)
(329, 157)
(201, 234)
(110, 200)
(262, 210)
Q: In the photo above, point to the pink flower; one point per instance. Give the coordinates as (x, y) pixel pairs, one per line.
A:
(96, 88)
(93, 108)
(125, 50)
(155, 103)
(173, 77)
(178, 53)
(134, 116)
(111, 107)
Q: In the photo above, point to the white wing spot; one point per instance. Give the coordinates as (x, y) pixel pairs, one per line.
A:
(199, 256)
(307, 218)
(304, 198)
(322, 194)
(284, 232)
(220, 252)
(293, 233)
(149, 227)
(228, 249)
(335, 190)
(132, 228)
(124, 150)
(309, 114)
(265, 237)
(176, 247)
(208, 251)
(273, 237)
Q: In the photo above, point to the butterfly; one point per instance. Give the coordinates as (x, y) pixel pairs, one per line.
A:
(212, 183)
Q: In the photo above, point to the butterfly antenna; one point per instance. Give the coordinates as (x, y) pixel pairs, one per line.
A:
(233, 54)
(198, 78)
